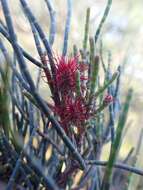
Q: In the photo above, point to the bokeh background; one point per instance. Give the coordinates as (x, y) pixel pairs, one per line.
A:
(122, 36)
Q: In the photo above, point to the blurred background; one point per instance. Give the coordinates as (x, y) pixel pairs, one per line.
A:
(122, 35)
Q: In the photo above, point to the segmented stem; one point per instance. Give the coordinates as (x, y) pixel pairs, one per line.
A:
(106, 12)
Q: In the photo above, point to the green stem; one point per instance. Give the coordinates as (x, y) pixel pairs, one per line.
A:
(86, 29)
(4, 101)
(134, 161)
(78, 84)
(106, 12)
(106, 85)
(94, 69)
(116, 143)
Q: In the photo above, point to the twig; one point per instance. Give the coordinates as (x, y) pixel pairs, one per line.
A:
(29, 57)
(67, 27)
(115, 145)
(46, 137)
(52, 21)
(86, 30)
(117, 165)
(106, 12)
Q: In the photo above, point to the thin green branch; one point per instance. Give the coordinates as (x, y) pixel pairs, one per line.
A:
(116, 143)
(106, 12)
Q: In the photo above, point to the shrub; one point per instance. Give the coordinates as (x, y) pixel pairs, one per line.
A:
(74, 127)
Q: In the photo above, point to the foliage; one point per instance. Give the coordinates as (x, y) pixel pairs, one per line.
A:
(73, 128)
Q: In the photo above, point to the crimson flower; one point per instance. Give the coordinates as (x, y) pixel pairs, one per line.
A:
(66, 74)
(66, 70)
(72, 112)
(108, 99)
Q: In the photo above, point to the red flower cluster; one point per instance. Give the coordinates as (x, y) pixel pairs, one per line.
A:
(66, 74)
(66, 71)
(72, 111)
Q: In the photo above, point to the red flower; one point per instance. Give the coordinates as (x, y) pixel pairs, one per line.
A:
(108, 99)
(66, 69)
(72, 112)
(66, 74)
